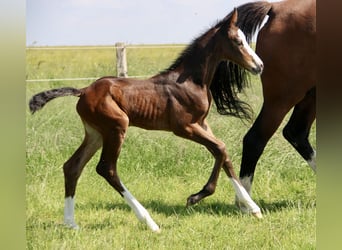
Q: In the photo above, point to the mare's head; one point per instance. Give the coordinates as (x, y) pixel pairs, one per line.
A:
(234, 46)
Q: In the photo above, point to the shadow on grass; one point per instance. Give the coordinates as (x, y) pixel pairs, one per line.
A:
(214, 208)
(272, 207)
(203, 207)
(277, 206)
(169, 209)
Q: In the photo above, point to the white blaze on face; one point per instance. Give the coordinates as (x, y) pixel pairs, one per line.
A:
(256, 59)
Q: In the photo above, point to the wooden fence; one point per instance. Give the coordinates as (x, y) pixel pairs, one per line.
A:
(121, 59)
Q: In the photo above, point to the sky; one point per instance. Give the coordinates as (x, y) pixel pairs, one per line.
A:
(106, 22)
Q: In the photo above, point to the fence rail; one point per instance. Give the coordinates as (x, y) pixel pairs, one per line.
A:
(105, 47)
(121, 62)
(75, 79)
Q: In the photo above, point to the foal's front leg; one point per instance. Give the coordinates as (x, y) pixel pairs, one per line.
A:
(203, 135)
(240, 192)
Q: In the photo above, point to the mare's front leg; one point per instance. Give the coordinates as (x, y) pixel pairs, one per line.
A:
(254, 142)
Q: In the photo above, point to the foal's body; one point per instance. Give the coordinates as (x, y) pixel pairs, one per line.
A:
(151, 104)
(176, 100)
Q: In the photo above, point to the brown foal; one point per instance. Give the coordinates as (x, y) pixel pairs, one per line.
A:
(177, 100)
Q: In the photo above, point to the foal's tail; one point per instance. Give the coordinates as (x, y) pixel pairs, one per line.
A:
(39, 100)
(230, 79)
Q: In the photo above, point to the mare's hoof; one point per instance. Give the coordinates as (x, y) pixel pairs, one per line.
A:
(72, 226)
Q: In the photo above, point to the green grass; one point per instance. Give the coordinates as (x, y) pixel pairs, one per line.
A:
(161, 170)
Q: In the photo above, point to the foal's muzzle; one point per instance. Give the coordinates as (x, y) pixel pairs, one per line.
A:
(257, 69)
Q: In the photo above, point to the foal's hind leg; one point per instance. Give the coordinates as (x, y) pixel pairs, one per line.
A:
(113, 137)
(297, 129)
(73, 169)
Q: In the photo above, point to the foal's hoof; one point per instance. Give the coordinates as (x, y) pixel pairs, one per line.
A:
(158, 231)
(245, 210)
(257, 215)
(192, 200)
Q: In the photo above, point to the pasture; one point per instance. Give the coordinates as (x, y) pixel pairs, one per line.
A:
(160, 169)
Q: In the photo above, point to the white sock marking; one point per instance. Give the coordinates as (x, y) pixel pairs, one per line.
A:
(247, 183)
(244, 197)
(139, 210)
(312, 161)
(69, 213)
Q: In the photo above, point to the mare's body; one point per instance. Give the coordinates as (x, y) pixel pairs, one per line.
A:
(287, 46)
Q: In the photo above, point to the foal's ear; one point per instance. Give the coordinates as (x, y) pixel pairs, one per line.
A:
(233, 19)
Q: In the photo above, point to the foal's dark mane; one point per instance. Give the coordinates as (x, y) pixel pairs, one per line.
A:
(197, 43)
(230, 79)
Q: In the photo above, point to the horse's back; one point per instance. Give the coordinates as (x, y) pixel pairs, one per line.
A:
(287, 46)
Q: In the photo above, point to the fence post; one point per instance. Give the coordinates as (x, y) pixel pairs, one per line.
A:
(121, 62)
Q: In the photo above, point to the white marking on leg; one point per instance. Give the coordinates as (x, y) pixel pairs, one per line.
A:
(244, 198)
(312, 161)
(139, 210)
(69, 212)
(247, 183)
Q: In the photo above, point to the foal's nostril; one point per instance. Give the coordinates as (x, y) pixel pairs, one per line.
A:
(257, 69)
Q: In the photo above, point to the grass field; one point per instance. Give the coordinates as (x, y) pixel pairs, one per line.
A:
(161, 170)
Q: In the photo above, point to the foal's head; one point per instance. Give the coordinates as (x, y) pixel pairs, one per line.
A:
(235, 48)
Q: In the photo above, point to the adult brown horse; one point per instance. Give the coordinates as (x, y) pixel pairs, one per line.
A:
(287, 46)
(177, 99)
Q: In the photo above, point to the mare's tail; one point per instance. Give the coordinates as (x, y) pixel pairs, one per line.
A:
(230, 79)
(39, 100)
